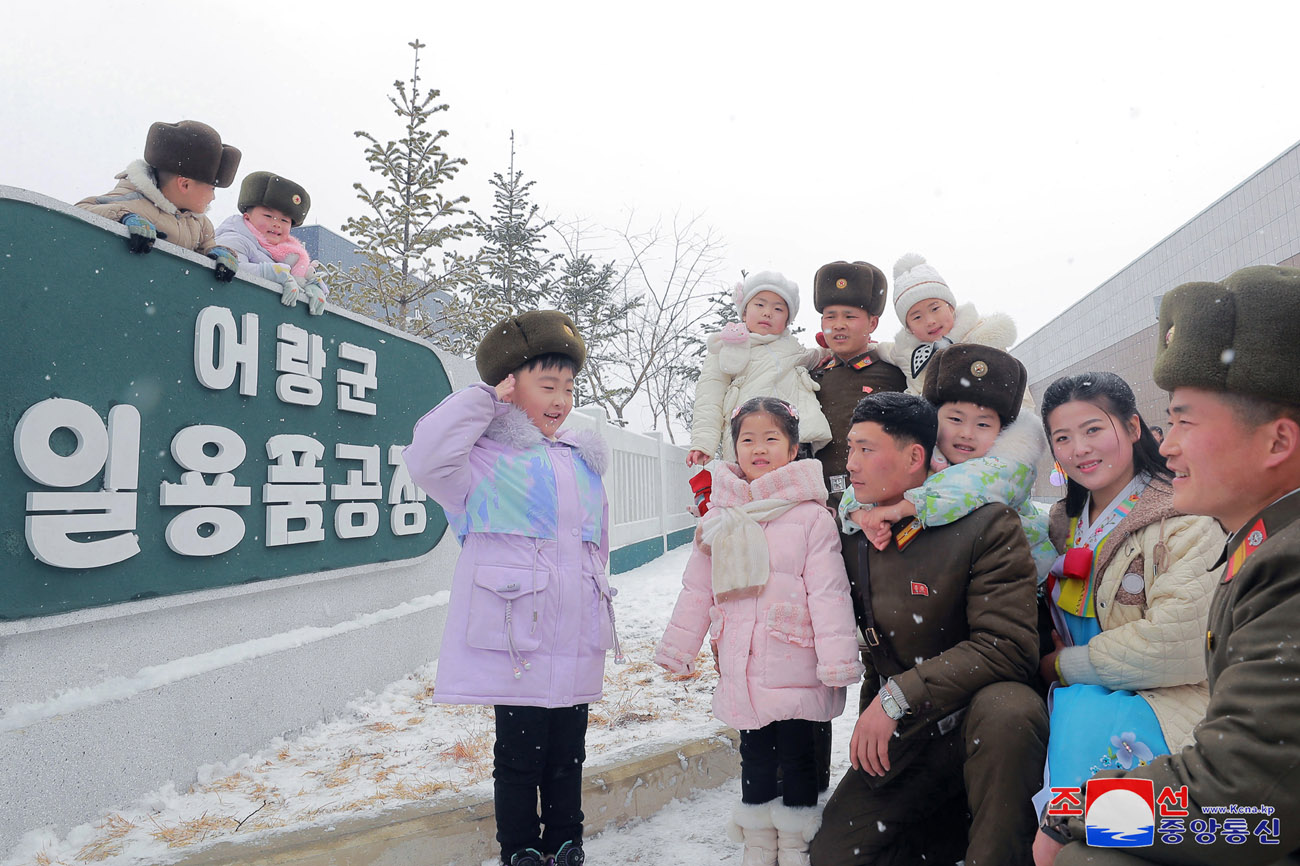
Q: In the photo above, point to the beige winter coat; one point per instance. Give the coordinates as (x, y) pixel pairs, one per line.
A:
(757, 365)
(1152, 605)
(137, 192)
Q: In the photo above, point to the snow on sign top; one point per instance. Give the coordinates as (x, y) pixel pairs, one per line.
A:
(176, 433)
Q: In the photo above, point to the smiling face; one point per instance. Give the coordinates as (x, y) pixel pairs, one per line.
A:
(762, 445)
(881, 468)
(847, 329)
(930, 319)
(966, 431)
(1216, 459)
(546, 396)
(273, 224)
(766, 313)
(1093, 447)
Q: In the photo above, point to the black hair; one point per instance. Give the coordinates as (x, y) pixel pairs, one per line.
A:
(1113, 396)
(905, 417)
(550, 361)
(780, 410)
(1254, 412)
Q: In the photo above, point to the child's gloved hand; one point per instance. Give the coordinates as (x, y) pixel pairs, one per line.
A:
(315, 291)
(274, 271)
(227, 263)
(291, 293)
(142, 233)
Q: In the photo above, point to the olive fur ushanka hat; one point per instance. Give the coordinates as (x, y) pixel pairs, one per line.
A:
(971, 373)
(192, 149)
(1238, 335)
(262, 188)
(515, 341)
(851, 284)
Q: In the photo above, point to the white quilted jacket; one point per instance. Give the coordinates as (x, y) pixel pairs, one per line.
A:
(764, 365)
(1153, 632)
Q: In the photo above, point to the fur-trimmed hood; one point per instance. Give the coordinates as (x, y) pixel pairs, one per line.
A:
(142, 176)
(996, 329)
(513, 427)
(1154, 505)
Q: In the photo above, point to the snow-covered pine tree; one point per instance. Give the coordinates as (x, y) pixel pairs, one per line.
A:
(513, 265)
(407, 268)
(592, 294)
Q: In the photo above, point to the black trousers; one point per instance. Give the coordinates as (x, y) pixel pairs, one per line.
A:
(791, 745)
(538, 751)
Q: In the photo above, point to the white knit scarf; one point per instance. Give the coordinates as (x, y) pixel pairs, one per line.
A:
(740, 556)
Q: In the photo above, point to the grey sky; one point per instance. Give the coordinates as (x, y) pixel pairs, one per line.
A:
(1029, 150)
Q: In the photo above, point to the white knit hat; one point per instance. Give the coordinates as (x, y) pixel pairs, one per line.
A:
(916, 280)
(767, 281)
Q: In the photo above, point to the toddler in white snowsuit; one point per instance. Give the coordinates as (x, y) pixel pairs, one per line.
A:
(756, 357)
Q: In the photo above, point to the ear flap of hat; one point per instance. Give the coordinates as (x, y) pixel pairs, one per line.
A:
(227, 166)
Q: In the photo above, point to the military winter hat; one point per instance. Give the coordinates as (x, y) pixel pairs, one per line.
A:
(1238, 335)
(279, 193)
(852, 284)
(515, 341)
(191, 149)
(971, 373)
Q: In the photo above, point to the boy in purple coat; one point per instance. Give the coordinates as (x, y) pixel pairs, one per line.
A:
(531, 616)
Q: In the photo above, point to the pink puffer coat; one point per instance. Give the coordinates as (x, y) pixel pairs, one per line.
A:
(788, 651)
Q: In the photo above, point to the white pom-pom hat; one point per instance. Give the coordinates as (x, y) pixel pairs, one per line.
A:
(915, 280)
(767, 281)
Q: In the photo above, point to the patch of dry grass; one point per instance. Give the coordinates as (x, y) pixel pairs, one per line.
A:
(191, 831)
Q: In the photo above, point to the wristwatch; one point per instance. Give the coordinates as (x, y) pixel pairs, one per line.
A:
(889, 704)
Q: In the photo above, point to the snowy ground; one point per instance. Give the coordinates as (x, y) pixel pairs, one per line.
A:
(391, 749)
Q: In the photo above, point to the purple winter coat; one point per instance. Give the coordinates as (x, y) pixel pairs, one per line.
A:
(531, 615)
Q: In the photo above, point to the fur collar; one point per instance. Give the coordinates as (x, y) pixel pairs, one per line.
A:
(513, 428)
(1156, 504)
(1022, 441)
(996, 329)
(798, 481)
(140, 175)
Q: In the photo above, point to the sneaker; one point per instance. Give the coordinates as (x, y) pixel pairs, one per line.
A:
(570, 854)
(528, 857)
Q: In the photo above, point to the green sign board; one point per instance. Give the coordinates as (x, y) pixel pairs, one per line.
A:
(162, 432)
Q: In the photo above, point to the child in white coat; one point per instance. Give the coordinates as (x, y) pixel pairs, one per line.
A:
(757, 357)
(767, 583)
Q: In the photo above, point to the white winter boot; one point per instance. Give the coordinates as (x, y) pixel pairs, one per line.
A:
(795, 828)
(751, 823)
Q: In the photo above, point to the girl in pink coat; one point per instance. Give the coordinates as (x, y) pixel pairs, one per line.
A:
(767, 583)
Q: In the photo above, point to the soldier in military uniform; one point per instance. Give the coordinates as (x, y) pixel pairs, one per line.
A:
(1229, 355)
(948, 752)
(850, 296)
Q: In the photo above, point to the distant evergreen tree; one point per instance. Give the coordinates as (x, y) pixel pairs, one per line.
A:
(407, 269)
(591, 293)
(513, 266)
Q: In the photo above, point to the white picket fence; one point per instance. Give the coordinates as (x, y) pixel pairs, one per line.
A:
(648, 484)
